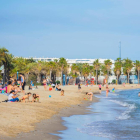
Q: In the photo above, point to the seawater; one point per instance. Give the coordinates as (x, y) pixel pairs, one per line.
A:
(116, 117)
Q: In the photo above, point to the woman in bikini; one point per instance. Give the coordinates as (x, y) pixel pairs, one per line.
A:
(44, 84)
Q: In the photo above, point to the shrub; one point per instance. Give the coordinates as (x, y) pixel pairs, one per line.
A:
(57, 82)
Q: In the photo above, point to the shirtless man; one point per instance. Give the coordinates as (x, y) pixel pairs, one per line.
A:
(9, 87)
(90, 94)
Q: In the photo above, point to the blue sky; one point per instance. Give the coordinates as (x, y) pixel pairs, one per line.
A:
(71, 28)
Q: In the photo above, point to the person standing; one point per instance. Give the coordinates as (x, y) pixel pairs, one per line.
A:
(100, 88)
(22, 83)
(44, 84)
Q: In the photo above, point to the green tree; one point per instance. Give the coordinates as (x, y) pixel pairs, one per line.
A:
(86, 70)
(127, 66)
(117, 68)
(62, 63)
(108, 64)
(137, 65)
(96, 66)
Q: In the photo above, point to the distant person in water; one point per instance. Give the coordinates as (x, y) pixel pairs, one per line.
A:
(139, 94)
(100, 88)
(107, 91)
(90, 94)
(44, 84)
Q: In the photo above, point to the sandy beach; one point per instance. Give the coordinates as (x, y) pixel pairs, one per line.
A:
(19, 118)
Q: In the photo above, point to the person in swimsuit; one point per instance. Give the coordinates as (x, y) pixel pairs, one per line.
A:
(44, 84)
(58, 88)
(107, 91)
(9, 87)
(90, 94)
(100, 88)
(26, 97)
(35, 98)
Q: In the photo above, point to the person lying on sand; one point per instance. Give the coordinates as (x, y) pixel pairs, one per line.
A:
(62, 92)
(35, 98)
(58, 88)
(13, 97)
(26, 97)
(90, 95)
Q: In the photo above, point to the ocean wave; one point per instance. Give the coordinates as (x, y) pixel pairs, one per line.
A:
(126, 114)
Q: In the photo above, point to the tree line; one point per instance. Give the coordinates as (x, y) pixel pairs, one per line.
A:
(29, 67)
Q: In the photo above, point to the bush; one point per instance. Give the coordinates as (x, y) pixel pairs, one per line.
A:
(57, 82)
(113, 81)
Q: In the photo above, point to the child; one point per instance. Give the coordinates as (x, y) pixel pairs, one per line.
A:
(35, 97)
(62, 92)
(113, 90)
(107, 90)
(90, 94)
(26, 97)
(100, 88)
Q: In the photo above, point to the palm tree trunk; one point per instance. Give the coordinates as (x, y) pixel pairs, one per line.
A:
(128, 78)
(107, 75)
(117, 78)
(61, 77)
(138, 76)
(96, 77)
(50, 74)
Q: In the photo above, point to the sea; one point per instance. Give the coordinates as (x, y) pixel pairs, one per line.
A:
(116, 117)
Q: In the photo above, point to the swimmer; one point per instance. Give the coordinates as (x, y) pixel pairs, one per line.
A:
(139, 94)
(90, 94)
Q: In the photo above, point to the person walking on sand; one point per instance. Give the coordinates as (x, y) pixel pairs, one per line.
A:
(107, 91)
(22, 83)
(100, 88)
(44, 84)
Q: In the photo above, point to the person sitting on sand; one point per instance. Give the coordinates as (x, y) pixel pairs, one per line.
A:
(30, 87)
(13, 97)
(26, 97)
(53, 85)
(58, 88)
(62, 92)
(90, 94)
(35, 97)
(9, 87)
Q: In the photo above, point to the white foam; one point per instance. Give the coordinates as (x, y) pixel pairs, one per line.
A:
(125, 114)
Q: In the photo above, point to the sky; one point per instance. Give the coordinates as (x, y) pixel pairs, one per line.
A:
(73, 29)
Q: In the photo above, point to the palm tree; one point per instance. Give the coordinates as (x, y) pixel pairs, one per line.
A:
(51, 66)
(137, 65)
(117, 68)
(74, 69)
(62, 65)
(96, 66)
(127, 66)
(86, 70)
(108, 64)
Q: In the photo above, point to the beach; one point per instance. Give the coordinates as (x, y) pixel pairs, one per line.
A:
(17, 119)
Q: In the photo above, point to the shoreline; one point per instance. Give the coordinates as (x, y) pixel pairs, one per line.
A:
(57, 107)
(47, 128)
